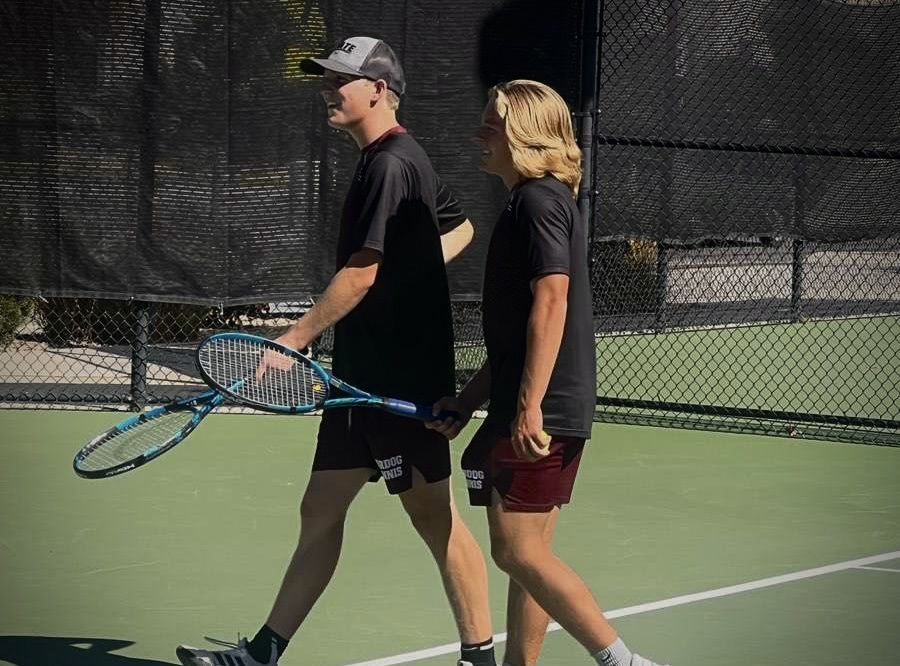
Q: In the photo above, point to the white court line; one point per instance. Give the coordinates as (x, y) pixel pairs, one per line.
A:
(450, 648)
(880, 569)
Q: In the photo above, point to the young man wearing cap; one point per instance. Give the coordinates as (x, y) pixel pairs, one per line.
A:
(390, 307)
(540, 375)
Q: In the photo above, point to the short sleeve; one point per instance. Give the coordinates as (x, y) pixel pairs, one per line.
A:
(385, 187)
(449, 213)
(547, 225)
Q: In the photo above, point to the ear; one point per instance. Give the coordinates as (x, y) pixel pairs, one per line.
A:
(380, 90)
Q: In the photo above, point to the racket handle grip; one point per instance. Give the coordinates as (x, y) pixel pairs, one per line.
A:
(421, 412)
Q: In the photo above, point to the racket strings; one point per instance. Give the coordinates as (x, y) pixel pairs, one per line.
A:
(287, 382)
(121, 446)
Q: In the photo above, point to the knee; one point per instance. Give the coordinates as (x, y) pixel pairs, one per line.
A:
(429, 518)
(319, 513)
(514, 558)
(504, 556)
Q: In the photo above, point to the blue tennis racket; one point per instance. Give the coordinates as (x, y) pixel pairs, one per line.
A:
(143, 437)
(287, 382)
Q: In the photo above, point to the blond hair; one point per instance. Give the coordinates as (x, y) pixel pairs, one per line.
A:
(539, 131)
(393, 100)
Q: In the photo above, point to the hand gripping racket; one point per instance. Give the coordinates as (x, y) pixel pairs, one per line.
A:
(266, 375)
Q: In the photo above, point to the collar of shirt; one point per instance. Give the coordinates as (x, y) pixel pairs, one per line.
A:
(396, 129)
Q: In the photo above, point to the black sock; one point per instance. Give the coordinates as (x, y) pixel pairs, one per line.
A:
(478, 654)
(260, 648)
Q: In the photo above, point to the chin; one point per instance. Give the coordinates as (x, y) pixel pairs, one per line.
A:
(336, 122)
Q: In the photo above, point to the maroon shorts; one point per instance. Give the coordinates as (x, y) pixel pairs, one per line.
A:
(490, 463)
(391, 446)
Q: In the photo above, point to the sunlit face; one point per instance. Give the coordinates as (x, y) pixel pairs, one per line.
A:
(347, 98)
(495, 155)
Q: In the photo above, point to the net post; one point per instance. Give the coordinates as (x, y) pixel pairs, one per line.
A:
(139, 346)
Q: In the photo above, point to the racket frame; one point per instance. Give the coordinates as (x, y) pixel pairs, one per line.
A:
(200, 405)
(355, 397)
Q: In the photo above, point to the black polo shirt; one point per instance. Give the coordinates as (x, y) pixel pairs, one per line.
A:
(398, 341)
(540, 232)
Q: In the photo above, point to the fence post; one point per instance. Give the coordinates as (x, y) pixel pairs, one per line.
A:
(146, 191)
(799, 250)
(666, 222)
(139, 344)
(591, 35)
(798, 261)
(661, 287)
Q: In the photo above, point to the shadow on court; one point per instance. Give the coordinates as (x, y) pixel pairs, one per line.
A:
(68, 651)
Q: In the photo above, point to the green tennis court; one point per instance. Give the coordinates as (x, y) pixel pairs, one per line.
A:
(836, 368)
(707, 549)
(783, 363)
(820, 367)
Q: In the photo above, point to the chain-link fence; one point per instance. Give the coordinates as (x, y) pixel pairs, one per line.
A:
(759, 337)
(713, 336)
(86, 352)
(746, 218)
(743, 161)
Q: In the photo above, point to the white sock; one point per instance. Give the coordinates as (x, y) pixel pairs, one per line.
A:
(614, 655)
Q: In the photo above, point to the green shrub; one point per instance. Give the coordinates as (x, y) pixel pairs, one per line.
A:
(69, 322)
(624, 277)
(15, 311)
(75, 321)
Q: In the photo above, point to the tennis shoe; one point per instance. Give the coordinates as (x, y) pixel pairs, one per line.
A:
(235, 654)
(638, 660)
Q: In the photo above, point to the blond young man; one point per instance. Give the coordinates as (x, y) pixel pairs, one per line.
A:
(540, 376)
(390, 306)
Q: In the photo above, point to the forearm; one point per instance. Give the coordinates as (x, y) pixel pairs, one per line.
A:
(456, 240)
(478, 389)
(343, 293)
(545, 330)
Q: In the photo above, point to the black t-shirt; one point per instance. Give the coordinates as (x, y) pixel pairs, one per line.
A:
(540, 232)
(398, 341)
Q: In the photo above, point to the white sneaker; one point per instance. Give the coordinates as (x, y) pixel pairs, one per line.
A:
(235, 655)
(638, 660)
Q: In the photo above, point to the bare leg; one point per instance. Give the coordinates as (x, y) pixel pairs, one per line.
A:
(519, 548)
(322, 513)
(526, 621)
(434, 515)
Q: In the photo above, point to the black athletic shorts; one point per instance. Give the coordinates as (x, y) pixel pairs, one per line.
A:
(391, 446)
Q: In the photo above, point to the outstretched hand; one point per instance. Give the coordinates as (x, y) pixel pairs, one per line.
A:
(273, 360)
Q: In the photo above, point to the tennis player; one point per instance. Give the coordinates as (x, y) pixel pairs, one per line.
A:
(540, 375)
(390, 306)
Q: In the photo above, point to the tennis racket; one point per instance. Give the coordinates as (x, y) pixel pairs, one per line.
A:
(291, 384)
(143, 437)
